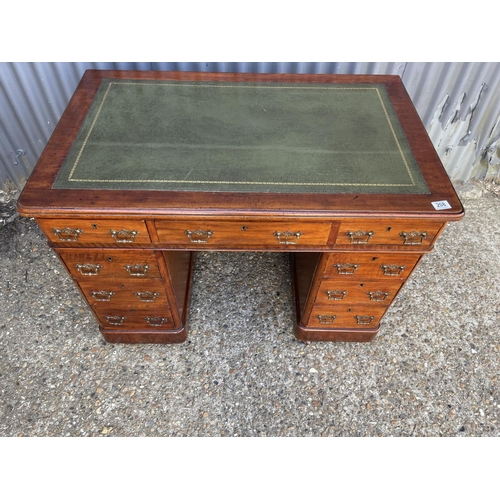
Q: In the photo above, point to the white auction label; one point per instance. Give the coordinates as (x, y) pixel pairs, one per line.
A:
(440, 205)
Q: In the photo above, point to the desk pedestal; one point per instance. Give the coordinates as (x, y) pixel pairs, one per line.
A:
(141, 295)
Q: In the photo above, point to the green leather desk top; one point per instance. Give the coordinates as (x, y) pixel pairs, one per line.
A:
(241, 137)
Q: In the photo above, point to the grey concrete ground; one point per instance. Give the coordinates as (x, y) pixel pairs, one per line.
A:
(433, 370)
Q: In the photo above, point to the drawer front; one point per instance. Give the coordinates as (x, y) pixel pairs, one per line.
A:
(104, 264)
(151, 319)
(337, 292)
(388, 232)
(346, 317)
(95, 231)
(360, 265)
(243, 234)
(125, 295)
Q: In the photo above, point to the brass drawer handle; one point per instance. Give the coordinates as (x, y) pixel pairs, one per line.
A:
(378, 296)
(156, 321)
(364, 320)
(346, 268)
(336, 294)
(102, 295)
(147, 296)
(67, 234)
(123, 235)
(115, 320)
(198, 236)
(326, 319)
(137, 269)
(88, 269)
(392, 270)
(413, 238)
(287, 238)
(360, 237)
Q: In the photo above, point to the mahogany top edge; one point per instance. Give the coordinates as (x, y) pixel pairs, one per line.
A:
(38, 199)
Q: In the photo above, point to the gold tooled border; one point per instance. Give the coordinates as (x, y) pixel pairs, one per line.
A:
(171, 181)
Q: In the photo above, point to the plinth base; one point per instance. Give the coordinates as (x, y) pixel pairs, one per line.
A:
(145, 337)
(306, 334)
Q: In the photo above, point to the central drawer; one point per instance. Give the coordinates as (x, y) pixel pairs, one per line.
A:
(243, 234)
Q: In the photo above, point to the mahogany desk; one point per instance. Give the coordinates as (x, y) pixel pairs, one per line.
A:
(146, 168)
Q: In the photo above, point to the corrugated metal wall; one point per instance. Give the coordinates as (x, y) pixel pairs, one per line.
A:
(459, 104)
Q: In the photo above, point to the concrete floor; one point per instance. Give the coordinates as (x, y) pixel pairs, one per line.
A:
(433, 370)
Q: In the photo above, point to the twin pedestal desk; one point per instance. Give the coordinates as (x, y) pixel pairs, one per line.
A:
(144, 169)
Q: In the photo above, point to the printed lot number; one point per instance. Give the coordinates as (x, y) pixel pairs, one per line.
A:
(441, 205)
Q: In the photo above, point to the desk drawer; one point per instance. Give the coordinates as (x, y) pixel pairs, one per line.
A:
(345, 316)
(110, 264)
(333, 292)
(95, 231)
(127, 294)
(361, 265)
(388, 232)
(152, 319)
(243, 234)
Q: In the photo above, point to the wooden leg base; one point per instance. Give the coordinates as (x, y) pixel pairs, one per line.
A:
(306, 334)
(145, 337)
